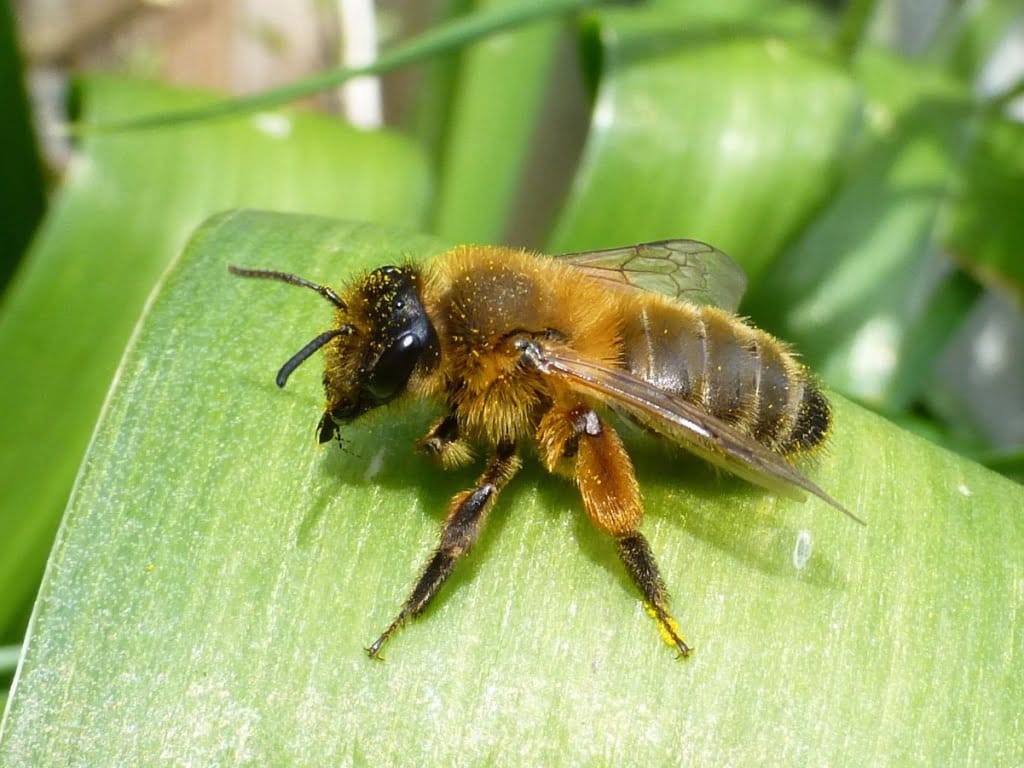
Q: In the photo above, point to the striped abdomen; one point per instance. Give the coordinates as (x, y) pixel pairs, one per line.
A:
(737, 373)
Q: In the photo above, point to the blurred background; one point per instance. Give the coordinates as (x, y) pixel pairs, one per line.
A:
(233, 47)
(245, 47)
(863, 161)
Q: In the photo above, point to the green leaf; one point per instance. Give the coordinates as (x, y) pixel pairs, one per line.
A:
(985, 229)
(22, 194)
(862, 292)
(9, 655)
(217, 577)
(126, 207)
(489, 129)
(1010, 464)
(969, 36)
(696, 133)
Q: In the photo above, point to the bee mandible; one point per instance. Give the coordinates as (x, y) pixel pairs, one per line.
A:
(523, 349)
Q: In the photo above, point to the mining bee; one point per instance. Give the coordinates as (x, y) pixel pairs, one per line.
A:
(524, 349)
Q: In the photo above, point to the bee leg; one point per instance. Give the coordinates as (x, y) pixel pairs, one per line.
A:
(611, 497)
(445, 442)
(635, 554)
(462, 527)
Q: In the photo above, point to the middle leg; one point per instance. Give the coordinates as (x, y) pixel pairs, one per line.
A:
(461, 529)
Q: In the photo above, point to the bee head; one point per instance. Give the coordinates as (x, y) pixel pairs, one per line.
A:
(381, 335)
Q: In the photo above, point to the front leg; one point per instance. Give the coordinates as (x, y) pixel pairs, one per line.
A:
(462, 527)
(445, 442)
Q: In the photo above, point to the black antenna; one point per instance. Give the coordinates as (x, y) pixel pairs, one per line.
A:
(303, 354)
(286, 277)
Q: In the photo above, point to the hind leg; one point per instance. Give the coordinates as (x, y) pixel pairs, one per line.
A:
(611, 496)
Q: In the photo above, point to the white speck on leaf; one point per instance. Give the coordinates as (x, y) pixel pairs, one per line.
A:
(802, 550)
(375, 465)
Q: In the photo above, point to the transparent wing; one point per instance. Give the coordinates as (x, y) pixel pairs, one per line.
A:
(686, 270)
(679, 421)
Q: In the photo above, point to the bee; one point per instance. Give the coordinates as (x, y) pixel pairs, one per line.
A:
(522, 349)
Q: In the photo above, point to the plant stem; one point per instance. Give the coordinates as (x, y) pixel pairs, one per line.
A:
(454, 34)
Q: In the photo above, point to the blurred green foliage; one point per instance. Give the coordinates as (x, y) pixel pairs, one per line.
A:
(872, 196)
(22, 192)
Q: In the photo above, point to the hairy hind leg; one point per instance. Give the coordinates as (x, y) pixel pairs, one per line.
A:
(611, 497)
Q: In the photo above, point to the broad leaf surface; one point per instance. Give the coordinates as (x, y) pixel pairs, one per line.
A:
(217, 577)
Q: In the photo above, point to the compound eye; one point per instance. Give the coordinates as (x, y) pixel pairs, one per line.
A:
(394, 367)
